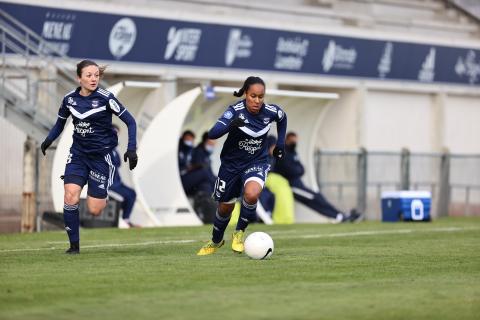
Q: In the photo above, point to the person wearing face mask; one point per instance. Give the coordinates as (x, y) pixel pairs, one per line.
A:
(292, 169)
(200, 169)
(194, 176)
(201, 161)
(185, 148)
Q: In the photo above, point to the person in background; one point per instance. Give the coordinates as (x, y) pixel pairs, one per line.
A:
(121, 192)
(204, 179)
(194, 177)
(267, 198)
(292, 169)
(201, 162)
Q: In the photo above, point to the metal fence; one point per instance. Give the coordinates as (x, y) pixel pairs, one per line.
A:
(357, 179)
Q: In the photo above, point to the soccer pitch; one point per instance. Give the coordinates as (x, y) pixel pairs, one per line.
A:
(350, 271)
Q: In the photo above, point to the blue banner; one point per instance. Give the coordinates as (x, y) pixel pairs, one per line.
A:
(82, 34)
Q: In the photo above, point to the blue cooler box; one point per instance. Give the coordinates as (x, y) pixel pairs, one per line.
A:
(406, 205)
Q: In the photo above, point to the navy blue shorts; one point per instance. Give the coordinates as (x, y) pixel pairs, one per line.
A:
(95, 170)
(229, 184)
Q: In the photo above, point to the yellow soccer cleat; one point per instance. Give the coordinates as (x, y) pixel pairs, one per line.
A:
(237, 241)
(209, 248)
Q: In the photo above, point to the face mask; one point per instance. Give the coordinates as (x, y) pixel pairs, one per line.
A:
(209, 148)
(188, 143)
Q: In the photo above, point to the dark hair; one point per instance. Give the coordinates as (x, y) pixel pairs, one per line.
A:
(290, 134)
(205, 137)
(188, 133)
(85, 63)
(248, 82)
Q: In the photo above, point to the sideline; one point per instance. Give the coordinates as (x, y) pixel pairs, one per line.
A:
(305, 236)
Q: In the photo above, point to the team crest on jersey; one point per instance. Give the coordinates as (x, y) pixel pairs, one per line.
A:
(228, 114)
(95, 103)
(266, 120)
(71, 101)
(114, 105)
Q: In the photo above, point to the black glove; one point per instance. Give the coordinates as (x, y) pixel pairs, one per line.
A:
(278, 153)
(44, 146)
(237, 123)
(132, 157)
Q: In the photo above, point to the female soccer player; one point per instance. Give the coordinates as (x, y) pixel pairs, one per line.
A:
(244, 159)
(90, 158)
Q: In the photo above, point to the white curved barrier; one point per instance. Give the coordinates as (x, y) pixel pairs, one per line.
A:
(157, 177)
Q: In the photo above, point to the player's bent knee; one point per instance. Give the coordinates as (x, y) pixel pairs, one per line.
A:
(251, 196)
(71, 198)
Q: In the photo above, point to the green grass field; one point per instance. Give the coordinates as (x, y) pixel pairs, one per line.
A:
(355, 271)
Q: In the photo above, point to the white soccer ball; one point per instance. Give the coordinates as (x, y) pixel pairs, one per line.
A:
(259, 245)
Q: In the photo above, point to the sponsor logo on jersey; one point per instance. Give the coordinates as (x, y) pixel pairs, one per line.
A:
(182, 44)
(242, 116)
(71, 101)
(98, 177)
(102, 186)
(337, 57)
(290, 53)
(468, 66)
(83, 128)
(122, 37)
(280, 114)
(427, 72)
(253, 169)
(95, 103)
(238, 46)
(250, 145)
(228, 114)
(114, 105)
(385, 63)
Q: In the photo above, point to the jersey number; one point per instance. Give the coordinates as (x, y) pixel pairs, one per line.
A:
(220, 185)
(69, 158)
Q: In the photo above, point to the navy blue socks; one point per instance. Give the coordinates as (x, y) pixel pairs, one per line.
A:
(248, 213)
(72, 222)
(219, 225)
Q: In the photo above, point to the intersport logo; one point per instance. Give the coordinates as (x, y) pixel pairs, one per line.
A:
(238, 46)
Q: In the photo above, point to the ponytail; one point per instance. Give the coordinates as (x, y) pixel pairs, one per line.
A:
(246, 85)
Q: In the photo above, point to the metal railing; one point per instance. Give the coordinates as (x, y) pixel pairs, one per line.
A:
(34, 75)
(357, 179)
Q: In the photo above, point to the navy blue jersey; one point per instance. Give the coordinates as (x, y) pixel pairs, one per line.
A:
(247, 144)
(92, 119)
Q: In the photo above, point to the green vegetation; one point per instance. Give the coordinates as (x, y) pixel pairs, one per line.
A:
(355, 271)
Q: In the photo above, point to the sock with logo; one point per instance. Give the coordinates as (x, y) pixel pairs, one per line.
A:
(72, 222)
(248, 213)
(219, 225)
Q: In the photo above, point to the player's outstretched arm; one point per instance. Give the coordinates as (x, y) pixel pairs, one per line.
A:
(131, 153)
(226, 122)
(278, 151)
(53, 134)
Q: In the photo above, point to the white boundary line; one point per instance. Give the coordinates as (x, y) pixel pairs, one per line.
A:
(305, 236)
